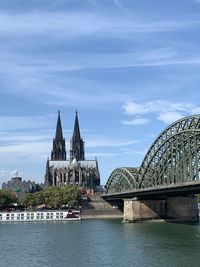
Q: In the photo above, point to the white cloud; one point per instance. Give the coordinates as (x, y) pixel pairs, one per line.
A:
(170, 117)
(165, 111)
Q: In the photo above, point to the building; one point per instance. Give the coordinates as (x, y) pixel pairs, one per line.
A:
(76, 169)
(21, 187)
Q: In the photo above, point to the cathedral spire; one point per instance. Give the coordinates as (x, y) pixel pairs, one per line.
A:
(59, 134)
(76, 133)
(58, 152)
(77, 144)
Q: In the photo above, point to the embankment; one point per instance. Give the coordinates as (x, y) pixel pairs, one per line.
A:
(94, 207)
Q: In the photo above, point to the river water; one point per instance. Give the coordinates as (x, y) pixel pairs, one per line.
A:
(99, 243)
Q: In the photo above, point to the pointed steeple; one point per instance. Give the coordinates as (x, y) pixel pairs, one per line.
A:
(59, 134)
(76, 133)
(77, 145)
(58, 152)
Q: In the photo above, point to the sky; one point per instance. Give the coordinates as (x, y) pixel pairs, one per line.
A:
(130, 68)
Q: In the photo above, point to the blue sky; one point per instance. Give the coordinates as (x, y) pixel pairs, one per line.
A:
(129, 67)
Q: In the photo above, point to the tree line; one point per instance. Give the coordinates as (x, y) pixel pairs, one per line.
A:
(51, 197)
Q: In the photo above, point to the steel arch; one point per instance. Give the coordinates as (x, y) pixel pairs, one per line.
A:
(174, 157)
(122, 179)
(169, 149)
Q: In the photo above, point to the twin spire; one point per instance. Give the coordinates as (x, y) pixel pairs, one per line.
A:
(76, 133)
(76, 143)
(59, 134)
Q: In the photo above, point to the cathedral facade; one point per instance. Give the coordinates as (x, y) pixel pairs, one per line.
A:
(75, 170)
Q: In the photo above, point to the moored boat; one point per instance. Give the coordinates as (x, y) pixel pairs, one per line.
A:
(48, 215)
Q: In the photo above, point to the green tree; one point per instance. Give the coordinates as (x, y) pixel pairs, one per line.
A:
(7, 198)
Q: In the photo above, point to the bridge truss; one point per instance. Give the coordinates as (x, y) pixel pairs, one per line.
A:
(173, 158)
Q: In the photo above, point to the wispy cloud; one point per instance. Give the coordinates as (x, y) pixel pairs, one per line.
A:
(101, 155)
(134, 152)
(136, 121)
(72, 24)
(29, 140)
(108, 142)
(43, 80)
(94, 55)
(14, 123)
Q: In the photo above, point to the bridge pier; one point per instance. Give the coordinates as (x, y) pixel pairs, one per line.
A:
(179, 208)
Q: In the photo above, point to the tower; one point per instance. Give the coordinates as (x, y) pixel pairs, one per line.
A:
(77, 150)
(58, 151)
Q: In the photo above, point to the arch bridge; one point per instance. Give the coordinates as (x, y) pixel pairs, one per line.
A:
(170, 167)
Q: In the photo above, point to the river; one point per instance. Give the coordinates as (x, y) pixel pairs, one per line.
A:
(99, 243)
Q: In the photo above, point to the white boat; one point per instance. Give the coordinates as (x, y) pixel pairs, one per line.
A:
(34, 216)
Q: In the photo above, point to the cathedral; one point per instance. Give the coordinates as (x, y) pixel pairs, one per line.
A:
(76, 169)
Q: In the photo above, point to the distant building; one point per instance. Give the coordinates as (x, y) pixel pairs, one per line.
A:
(21, 187)
(76, 170)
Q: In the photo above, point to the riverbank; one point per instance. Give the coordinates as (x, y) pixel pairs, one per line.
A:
(94, 207)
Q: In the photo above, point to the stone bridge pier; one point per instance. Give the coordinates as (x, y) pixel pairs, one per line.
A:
(177, 209)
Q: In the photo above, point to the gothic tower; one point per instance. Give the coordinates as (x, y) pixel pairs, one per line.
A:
(77, 150)
(58, 152)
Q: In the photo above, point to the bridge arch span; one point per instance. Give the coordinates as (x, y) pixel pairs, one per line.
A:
(173, 158)
(122, 179)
